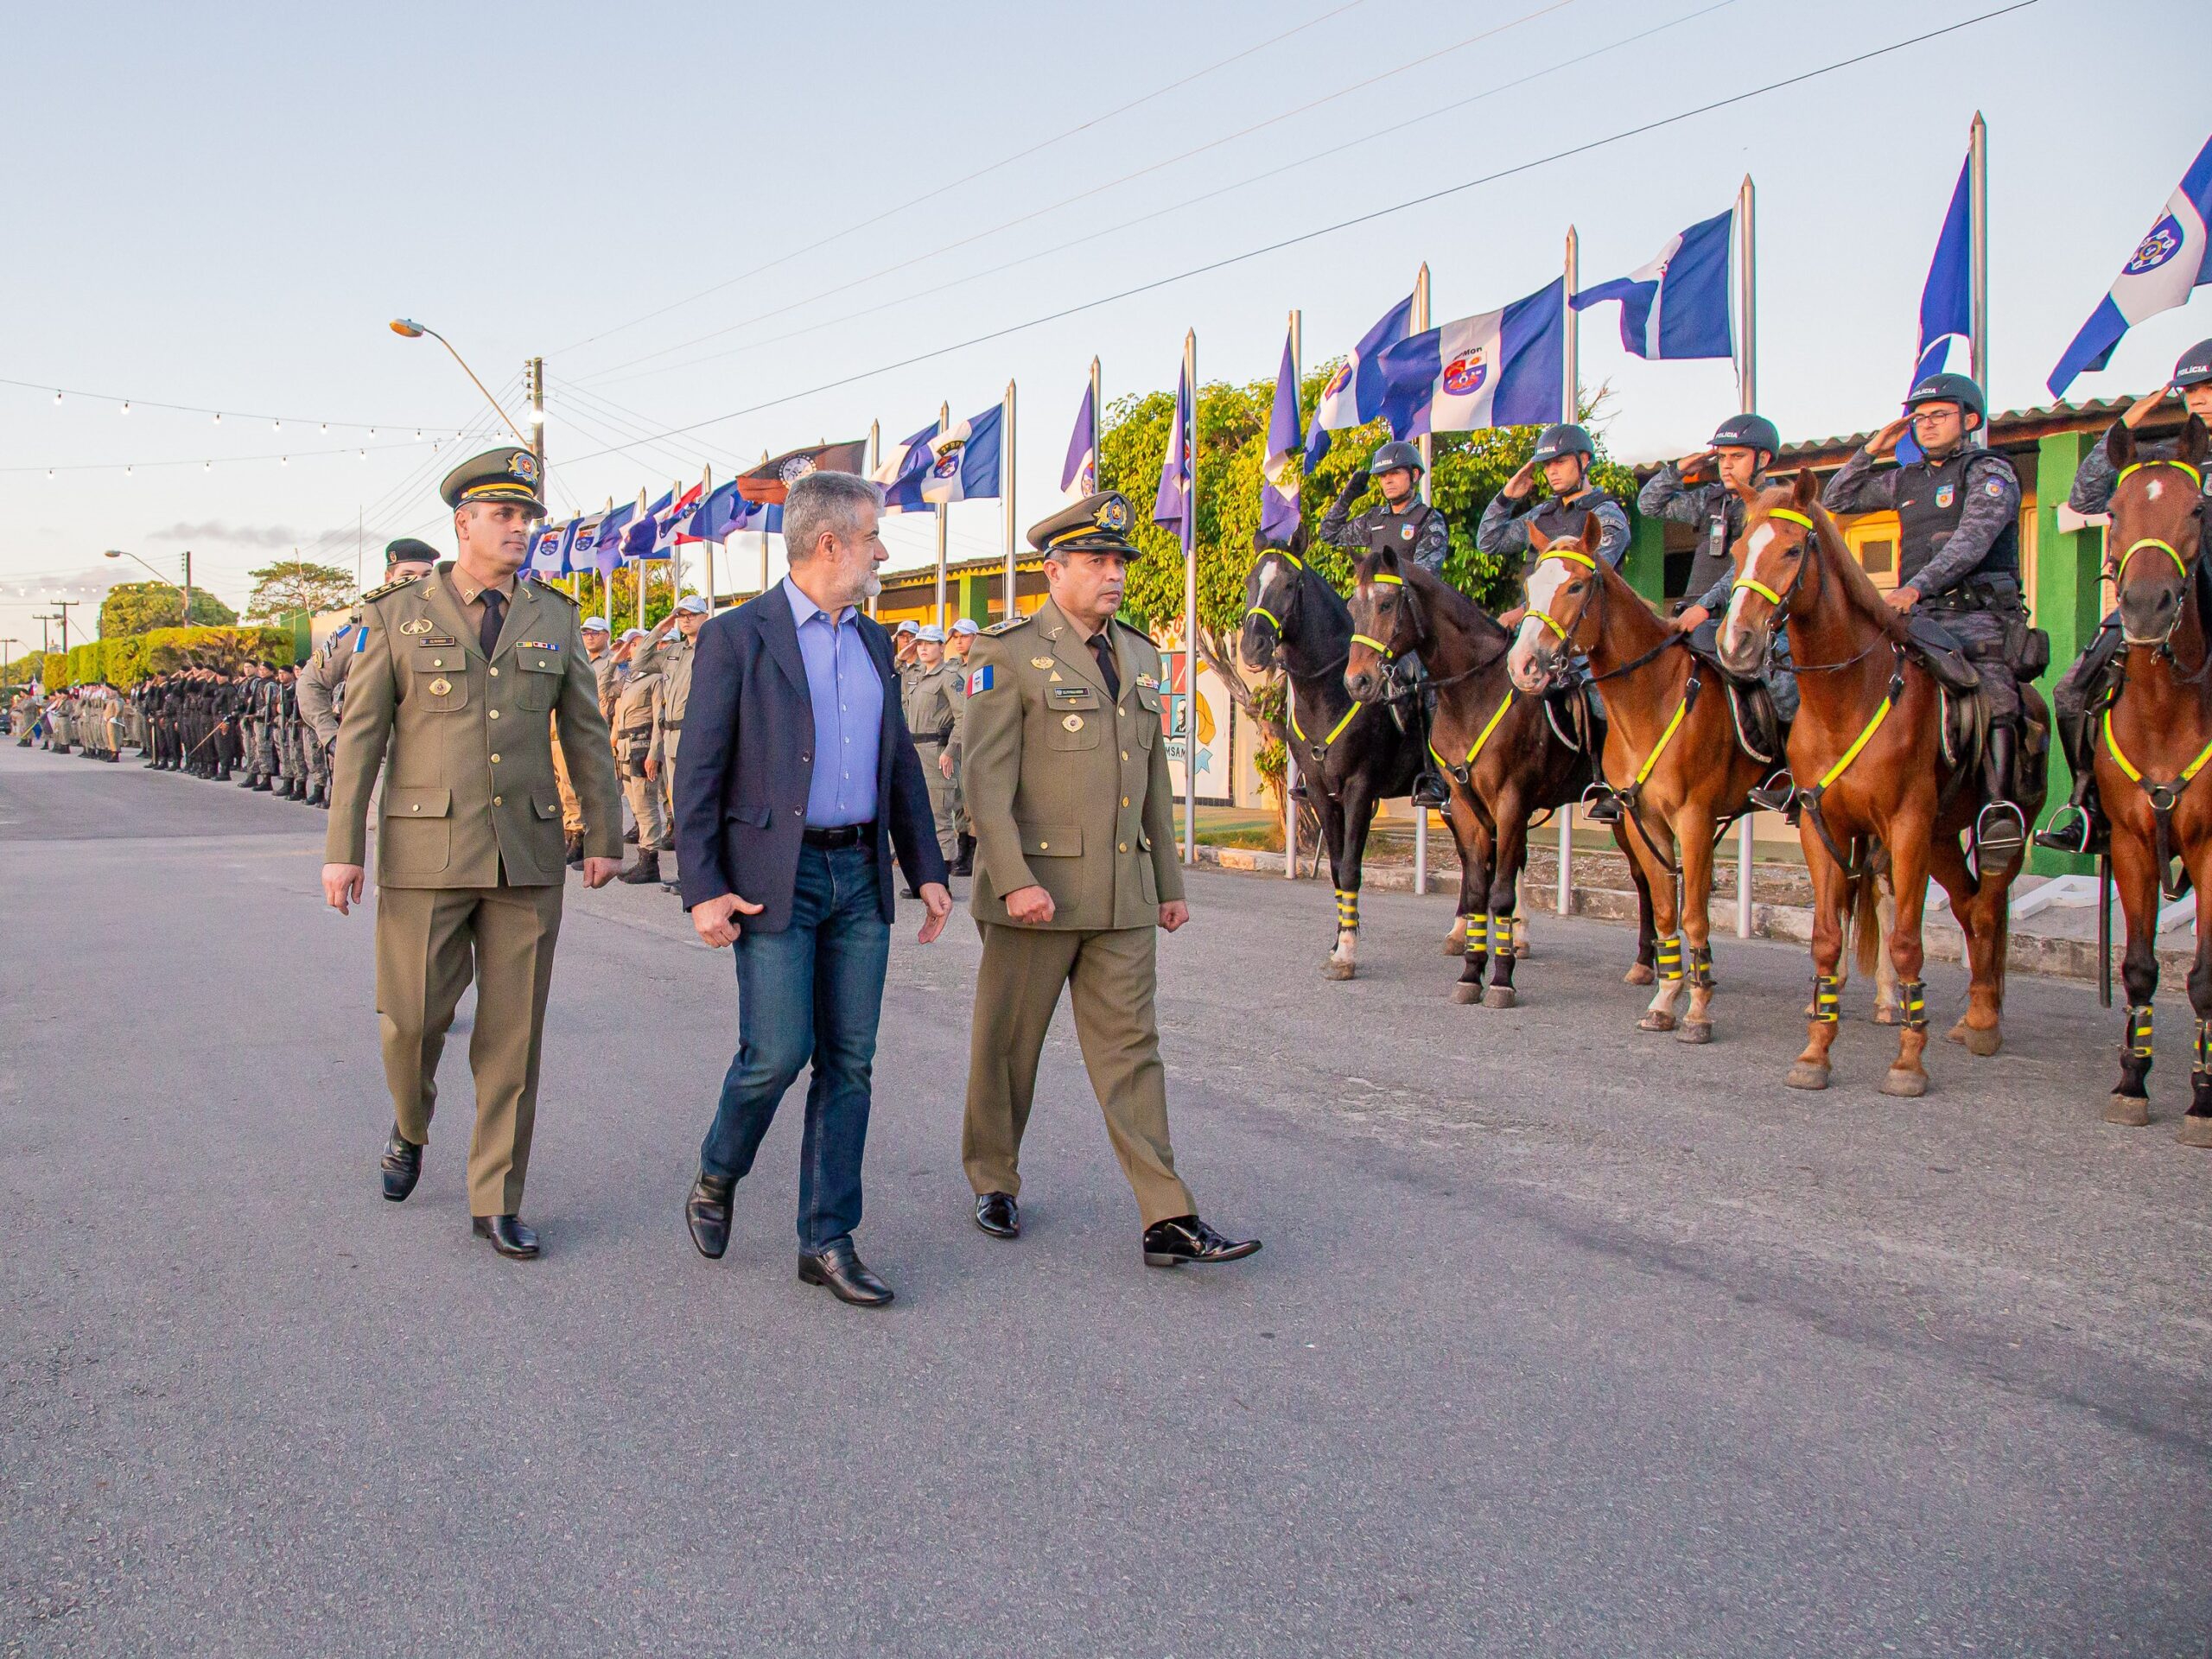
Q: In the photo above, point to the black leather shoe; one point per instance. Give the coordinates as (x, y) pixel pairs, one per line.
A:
(840, 1269)
(707, 1213)
(997, 1214)
(402, 1167)
(1171, 1243)
(508, 1236)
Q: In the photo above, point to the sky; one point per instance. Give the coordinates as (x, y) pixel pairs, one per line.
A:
(744, 230)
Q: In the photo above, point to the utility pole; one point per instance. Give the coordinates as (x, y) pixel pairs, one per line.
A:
(188, 586)
(62, 605)
(535, 372)
(45, 638)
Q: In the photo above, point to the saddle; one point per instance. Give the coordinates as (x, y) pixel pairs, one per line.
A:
(1758, 724)
(1938, 651)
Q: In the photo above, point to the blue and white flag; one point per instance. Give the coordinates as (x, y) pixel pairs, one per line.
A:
(1080, 475)
(1354, 394)
(612, 526)
(549, 549)
(1947, 301)
(1170, 506)
(640, 533)
(902, 469)
(1503, 368)
(1677, 306)
(723, 512)
(964, 460)
(583, 545)
(1279, 511)
(2171, 260)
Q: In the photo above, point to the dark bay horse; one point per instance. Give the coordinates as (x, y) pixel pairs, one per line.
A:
(2155, 738)
(1869, 753)
(1351, 756)
(1671, 753)
(1497, 746)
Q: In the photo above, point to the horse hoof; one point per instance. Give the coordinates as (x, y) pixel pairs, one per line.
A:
(1906, 1083)
(1656, 1022)
(1805, 1075)
(2132, 1111)
(1455, 946)
(1467, 993)
(1695, 1031)
(1984, 1040)
(1337, 971)
(1640, 974)
(2195, 1132)
(1889, 1015)
(1499, 997)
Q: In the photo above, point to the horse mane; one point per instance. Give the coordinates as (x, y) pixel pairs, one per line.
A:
(1483, 628)
(1858, 587)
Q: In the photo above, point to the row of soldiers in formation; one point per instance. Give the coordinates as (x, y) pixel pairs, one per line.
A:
(216, 723)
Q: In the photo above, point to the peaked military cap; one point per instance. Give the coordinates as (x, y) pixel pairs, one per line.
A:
(407, 550)
(508, 474)
(1098, 523)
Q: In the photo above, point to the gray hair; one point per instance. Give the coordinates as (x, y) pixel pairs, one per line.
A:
(825, 501)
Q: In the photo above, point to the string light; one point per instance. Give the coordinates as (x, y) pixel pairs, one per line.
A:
(60, 392)
(126, 405)
(218, 417)
(57, 397)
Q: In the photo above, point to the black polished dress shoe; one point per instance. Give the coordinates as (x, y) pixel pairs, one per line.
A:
(402, 1165)
(840, 1269)
(508, 1236)
(997, 1214)
(1185, 1238)
(706, 1212)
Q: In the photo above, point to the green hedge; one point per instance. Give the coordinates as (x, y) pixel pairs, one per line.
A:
(125, 662)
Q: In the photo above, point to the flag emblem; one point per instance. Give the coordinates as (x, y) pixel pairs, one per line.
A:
(1339, 380)
(948, 462)
(982, 680)
(1995, 488)
(2164, 242)
(1406, 531)
(795, 468)
(1464, 375)
(1945, 494)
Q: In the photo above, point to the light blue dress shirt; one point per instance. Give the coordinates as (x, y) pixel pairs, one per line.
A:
(847, 697)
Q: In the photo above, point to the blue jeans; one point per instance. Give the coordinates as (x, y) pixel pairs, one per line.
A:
(812, 993)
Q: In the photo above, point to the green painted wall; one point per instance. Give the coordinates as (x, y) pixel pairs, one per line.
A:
(1645, 567)
(2067, 603)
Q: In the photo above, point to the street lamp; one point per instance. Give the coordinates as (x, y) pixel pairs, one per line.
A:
(408, 329)
(118, 553)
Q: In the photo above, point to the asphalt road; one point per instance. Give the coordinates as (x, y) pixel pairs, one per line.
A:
(1565, 1340)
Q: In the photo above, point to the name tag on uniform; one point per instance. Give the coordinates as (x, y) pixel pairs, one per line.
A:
(438, 640)
(1072, 697)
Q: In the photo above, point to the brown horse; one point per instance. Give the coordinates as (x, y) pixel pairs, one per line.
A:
(1869, 753)
(1671, 754)
(2156, 736)
(1499, 747)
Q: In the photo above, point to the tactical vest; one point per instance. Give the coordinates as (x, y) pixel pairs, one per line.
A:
(1385, 531)
(1562, 521)
(1711, 562)
(1931, 498)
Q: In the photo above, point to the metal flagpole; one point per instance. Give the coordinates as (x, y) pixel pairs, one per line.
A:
(1747, 381)
(1189, 441)
(1290, 749)
(1097, 421)
(764, 537)
(1427, 455)
(1571, 395)
(1978, 235)
(875, 464)
(943, 420)
(1007, 482)
(675, 547)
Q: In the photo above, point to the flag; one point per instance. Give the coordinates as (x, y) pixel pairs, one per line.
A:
(612, 526)
(1503, 368)
(1354, 394)
(964, 459)
(584, 545)
(2175, 257)
(1947, 300)
(903, 467)
(723, 512)
(1175, 471)
(637, 533)
(770, 480)
(668, 522)
(1080, 475)
(1677, 306)
(1279, 512)
(549, 549)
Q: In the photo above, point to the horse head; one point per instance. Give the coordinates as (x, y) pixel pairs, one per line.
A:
(1385, 625)
(1271, 599)
(2151, 548)
(1780, 523)
(1561, 586)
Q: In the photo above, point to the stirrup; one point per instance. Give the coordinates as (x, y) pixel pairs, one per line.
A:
(2075, 834)
(1429, 791)
(1778, 792)
(1999, 831)
(1603, 809)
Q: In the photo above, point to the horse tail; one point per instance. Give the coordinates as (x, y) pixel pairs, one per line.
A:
(1865, 909)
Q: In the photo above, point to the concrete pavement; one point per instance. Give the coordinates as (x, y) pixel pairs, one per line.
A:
(1566, 1338)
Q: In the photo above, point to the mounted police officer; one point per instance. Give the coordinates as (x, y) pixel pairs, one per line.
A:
(2079, 826)
(1702, 491)
(1958, 511)
(1409, 527)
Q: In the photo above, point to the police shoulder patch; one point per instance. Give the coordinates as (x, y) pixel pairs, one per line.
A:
(390, 588)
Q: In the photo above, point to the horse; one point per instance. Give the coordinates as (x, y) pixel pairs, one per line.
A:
(1872, 736)
(1672, 757)
(1350, 755)
(1512, 762)
(2157, 724)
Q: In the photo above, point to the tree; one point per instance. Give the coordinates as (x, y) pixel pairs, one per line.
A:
(296, 584)
(136, 607)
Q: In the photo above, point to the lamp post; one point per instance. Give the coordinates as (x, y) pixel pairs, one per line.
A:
(119, 553)
(408, 329)
(4, 644)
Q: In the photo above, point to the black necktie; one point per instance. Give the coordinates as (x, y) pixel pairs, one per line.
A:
(494, 608)
(1102, 649)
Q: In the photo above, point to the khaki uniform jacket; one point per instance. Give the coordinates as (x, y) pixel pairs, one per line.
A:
(931, 702)
(636, 707)
(321, 677)
(675, 661)
(466, 745)
(1067, 791)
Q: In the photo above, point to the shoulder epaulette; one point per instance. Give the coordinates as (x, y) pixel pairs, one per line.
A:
(1011, 624)
(557, 593)
(389, 588)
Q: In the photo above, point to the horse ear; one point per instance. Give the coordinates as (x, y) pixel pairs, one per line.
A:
(1538, 540)
(1298, 538)
(2120, 445)
(1804, 488)
(2195, 441)
(1593, 534)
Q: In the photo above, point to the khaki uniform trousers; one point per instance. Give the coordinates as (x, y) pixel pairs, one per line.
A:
(944, 800)
(1111, 976)
(572, 810)
(643, 794)
(430, 941)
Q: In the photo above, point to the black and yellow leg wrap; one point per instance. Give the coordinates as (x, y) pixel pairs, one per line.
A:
(1912, 1003)
(1700, 966)
(2136, 1047)
(1479, 933)
(1827, 998)
(1670, 956)
(1347, 910)
(1501, 934)
(2202, 1063)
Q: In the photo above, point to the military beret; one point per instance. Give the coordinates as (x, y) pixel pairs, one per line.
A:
(930, 635)
(964, 626)
(1098, 523)
(407, 550)
(509, 473)
(691, 605)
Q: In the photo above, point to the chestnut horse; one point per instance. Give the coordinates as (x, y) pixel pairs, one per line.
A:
(1868, 752)
(2154, 737)
(1672, 756)
(1498, 748)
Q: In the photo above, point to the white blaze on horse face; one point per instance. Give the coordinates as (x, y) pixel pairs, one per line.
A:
(1761, 539)
(2153, 490)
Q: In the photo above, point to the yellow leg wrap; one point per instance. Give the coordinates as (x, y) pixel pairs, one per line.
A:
(1501, 935)
(1479, 932)
(1912, 999)
(1347, 910)
(1827, 998)
(1670, 956)
(2138, 1046)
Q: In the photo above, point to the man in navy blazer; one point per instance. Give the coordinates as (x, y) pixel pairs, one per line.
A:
(795, 781)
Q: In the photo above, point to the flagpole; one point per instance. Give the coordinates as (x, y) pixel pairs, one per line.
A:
(874, 465)
(1189, 441)
(1006, 480)
(1978, 235)
(1747, 389)
(1571, 396)
(1427, 459)
(675, 547)
(1098, 418)
(706, 489)
(764, 535)
(1289, 749)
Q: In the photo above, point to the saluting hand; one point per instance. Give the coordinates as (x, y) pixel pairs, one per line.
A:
(343, 884)
(1522, 482)
(1885, 441)
(937, 898)
(715, 920)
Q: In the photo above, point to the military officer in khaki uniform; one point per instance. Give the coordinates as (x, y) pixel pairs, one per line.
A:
(673, 655)
(450, 693)
(959, 644)
(1076, 871)
(636, 705)
(321, 682)
(572, 811)
(931, 698)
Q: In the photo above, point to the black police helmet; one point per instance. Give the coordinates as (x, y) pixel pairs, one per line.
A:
(1958, 388)
(1564, 439)
(2196, 366)
(1747, 432)
(1394, 454)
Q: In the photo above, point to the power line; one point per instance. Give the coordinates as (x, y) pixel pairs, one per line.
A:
(1343, 224)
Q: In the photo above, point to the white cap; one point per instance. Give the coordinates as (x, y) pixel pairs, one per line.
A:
(594, 624)
(908, 626)
(628, 634)
(691, 605)
(964, 626)
(932, 635)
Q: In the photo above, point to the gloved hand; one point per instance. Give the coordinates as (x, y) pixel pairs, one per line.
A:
(1356, 486)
